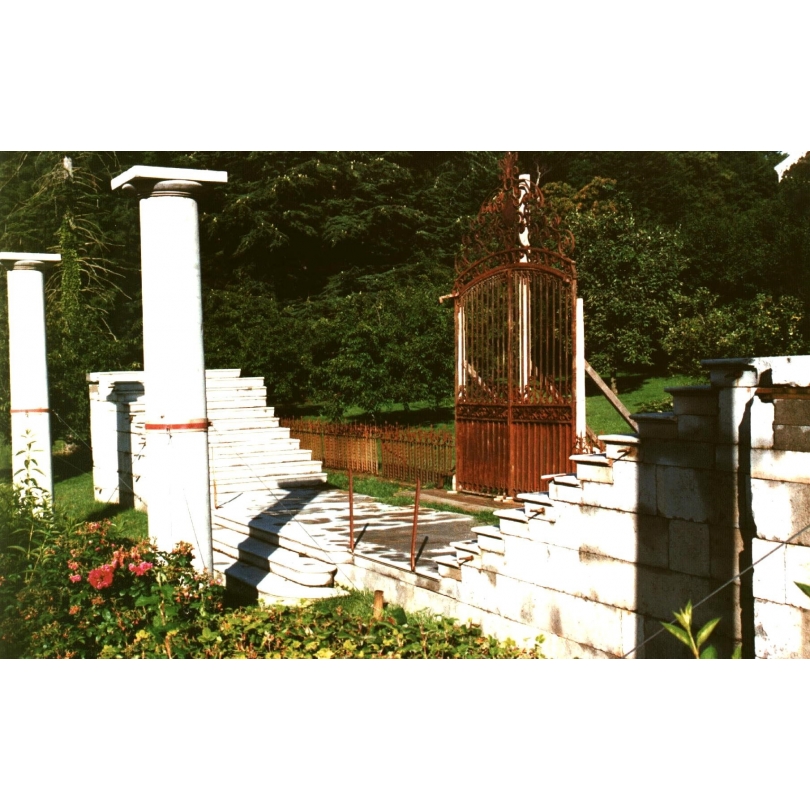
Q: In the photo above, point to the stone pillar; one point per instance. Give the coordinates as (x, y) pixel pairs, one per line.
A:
(579, 375)
(28, 370)
(524, 302)
(178, 499)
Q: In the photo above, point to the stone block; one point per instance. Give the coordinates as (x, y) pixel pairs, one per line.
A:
(726, 546)
(761, 424)
(566, 493)
(621, 446)
(781, 631)
(797, 569)
(494, 545)
(523, 557)
(598, 473)
(734, 372)
(633, 489)
(791, 411)
(703, 496)
(621, 535)
(659, 593)
(581, 573)
(689, 548)
(727, 457)
(780, 510)
(491, 562)
(790, 370)
(732, 403)
(699, 455)
(791, 437)
(657, 426)
(781, 465)
(580, 620)
(697, 428)
(698, 400)
(769, 574)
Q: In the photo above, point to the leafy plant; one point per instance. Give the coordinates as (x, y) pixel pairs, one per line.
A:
(695, 644)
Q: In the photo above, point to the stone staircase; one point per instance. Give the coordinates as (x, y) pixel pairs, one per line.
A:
(571, 550)
(248, 451)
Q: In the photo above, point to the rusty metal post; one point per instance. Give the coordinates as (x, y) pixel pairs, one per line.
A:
(415, 518)
(351, 511)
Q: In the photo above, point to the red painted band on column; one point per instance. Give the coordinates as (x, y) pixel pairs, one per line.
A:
(30, 410)
(193, 425)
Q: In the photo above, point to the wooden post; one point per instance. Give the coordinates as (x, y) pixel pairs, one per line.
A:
(378, 604)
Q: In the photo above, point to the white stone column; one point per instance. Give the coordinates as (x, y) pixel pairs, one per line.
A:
(524, 304)
(178, 498)
(28, 370)
(579, 374)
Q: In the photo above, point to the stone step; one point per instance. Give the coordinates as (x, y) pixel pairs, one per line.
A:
(237, 437)
(466, 550)
(239, 424)
(265, 464)
(222, 372)
(267, 485)
(270, 588)
(514, 515)
(694, 400)
(290, 535)
(490, 539)
(233, 383)
(267, 557)
(538, 505)
(249, 399)
(216, 395)
(448, 566)
(241, 412)
(623, 446)
(657, 425)
(272, 449)
(595, 467)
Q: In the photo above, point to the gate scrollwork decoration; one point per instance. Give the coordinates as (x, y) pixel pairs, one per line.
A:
(515, 311)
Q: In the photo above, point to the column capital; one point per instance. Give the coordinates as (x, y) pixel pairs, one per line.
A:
(30, 261)
(158, 181)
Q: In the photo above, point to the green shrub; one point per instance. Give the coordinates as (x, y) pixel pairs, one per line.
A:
(79, 590)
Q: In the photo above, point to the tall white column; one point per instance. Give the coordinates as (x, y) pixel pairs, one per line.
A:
(178, 498)
(579, 373)
(524, 304)
(28, 370)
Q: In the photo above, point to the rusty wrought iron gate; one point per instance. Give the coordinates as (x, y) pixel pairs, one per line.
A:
(515, 310)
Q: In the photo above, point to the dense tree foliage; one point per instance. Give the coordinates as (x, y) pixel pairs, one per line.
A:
(322, 270)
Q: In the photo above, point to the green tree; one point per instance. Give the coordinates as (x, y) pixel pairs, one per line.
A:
(629, 276)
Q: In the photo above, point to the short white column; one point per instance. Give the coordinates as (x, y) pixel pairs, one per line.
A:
(177, 496)
(28, 369)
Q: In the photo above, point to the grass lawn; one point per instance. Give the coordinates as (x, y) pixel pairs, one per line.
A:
(638, 393)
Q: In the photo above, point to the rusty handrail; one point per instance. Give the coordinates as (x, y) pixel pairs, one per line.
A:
(415, 518)
(611, 397)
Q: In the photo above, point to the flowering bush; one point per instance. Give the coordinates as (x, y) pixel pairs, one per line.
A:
(82, 592)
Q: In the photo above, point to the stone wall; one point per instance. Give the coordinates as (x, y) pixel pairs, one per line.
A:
(663, 517)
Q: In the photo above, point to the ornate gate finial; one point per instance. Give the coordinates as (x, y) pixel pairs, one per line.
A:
(494, 237)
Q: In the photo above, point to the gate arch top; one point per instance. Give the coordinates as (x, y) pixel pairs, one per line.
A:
(514, 227)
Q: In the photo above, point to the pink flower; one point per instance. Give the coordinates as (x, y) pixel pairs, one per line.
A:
(76, 578)
(73, 565)
(140, 569)
(101, 577)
